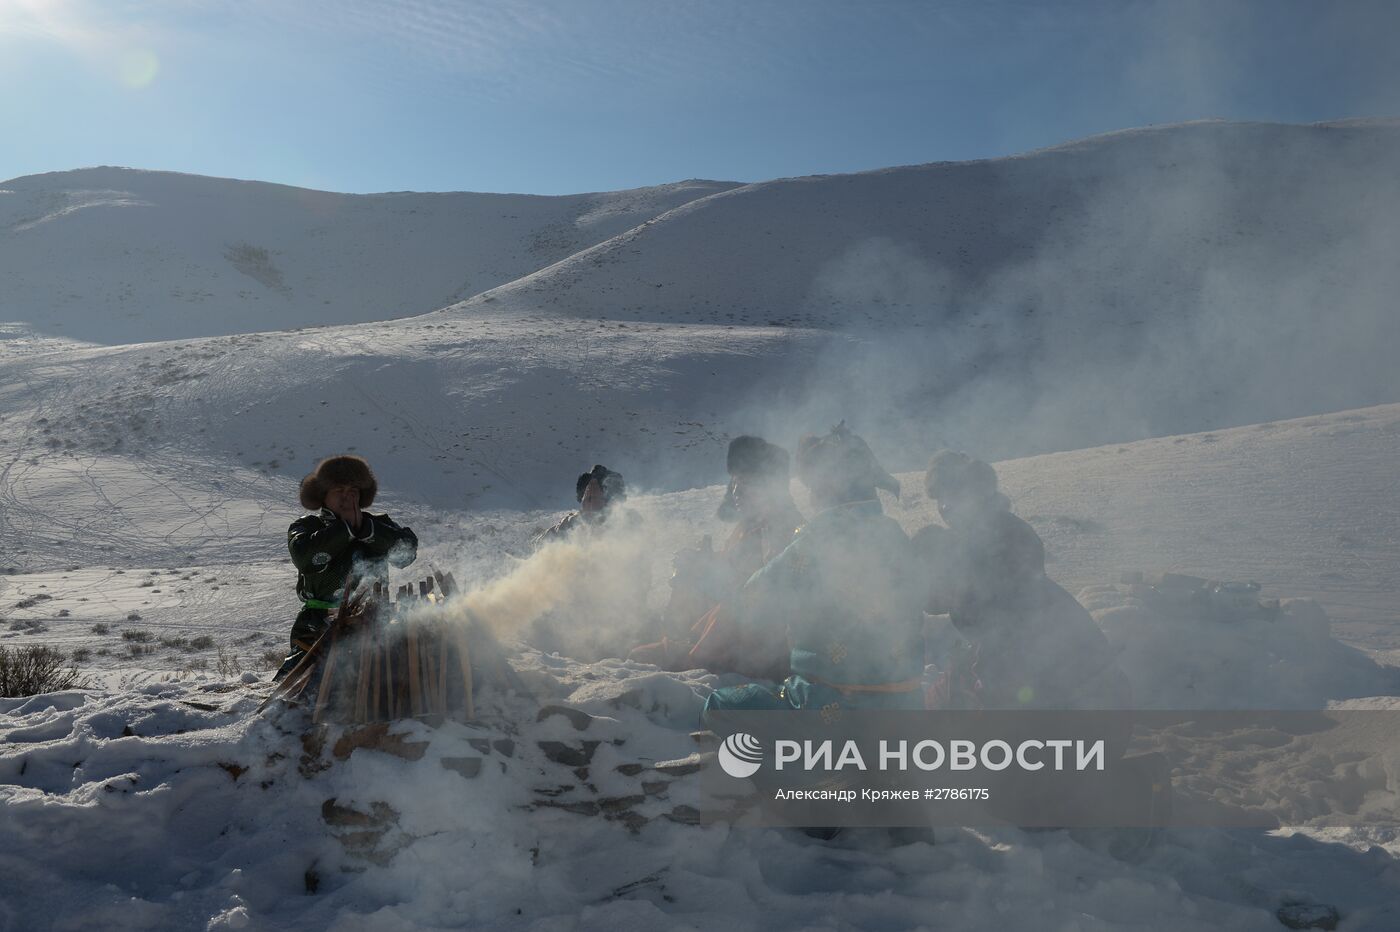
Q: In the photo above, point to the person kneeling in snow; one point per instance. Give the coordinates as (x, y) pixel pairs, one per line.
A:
(847, 592)
(706, 584)
(1030, 643)
(339, 541)
(598, 492)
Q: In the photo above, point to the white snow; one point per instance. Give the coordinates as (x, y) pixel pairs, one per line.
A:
(158, 406)
(117, 255)
(122, 801)
(198, 846)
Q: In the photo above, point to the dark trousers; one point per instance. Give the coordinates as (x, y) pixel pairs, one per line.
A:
(309, 625)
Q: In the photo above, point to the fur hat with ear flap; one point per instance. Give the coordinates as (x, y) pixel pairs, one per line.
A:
(842, 460)
(758, 459)
(754, 456)
(612, 483)
(338, 470)
(953, 473)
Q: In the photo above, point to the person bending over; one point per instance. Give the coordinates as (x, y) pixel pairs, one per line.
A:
(598, 492)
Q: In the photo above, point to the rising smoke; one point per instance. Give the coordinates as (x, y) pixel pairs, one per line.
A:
(1149, 283)
(1144, 284)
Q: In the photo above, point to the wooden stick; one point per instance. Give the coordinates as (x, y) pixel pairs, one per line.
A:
(327, 674)
(376, 687)
(446, 583)
(372, 698)
(331, 700)
(464, 658)
(296, 678)
(391, 705)
(403, 704)
(361, 675)
(292, 684)
(415, 700)
(427, 647)
(442, 671)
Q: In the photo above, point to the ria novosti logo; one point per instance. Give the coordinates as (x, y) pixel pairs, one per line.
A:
(741, 755)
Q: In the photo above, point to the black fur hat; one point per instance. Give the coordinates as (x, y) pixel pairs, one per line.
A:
(338, 470)
(755, 456)
(842, 459)
(951, 472)
(614, 488)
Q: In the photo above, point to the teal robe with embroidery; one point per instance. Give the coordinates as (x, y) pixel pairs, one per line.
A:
(848, 592)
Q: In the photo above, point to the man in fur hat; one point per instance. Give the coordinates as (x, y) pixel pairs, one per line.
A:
(705, 584)
(847, 592)
(1030, 644)
(597, 492)
(338, 540)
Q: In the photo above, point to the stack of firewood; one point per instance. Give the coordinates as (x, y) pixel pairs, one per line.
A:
(384, 658)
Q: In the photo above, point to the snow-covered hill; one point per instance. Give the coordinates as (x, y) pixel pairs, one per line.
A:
(1156, 329)
(114, 255)
(1145, 283)
(1140, 283)
(1109, 215)
(461, 412)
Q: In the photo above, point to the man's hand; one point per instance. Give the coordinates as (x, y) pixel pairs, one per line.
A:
(344, 501)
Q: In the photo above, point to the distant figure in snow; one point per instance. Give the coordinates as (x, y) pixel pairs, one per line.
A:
(339, 541)
(705, 584)
(846, 593)
(598, 492)
(1030, 644)
(609, 577)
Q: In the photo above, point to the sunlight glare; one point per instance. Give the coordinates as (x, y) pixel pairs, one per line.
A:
(138, 68)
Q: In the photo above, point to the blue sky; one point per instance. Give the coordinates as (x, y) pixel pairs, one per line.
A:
(558, 96)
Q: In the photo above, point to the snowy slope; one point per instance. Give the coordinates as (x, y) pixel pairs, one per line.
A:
(460, 412)
(1140, 283)
(1306, 508)
(907, 245)
(115, 255)
(223, 819)
(1216, 318)
(185, 447)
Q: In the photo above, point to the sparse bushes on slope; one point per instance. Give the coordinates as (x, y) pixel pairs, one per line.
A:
(29, 671)
(229, 664)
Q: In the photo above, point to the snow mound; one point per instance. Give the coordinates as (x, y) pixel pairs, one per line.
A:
(1190, 644)
(172, 807)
